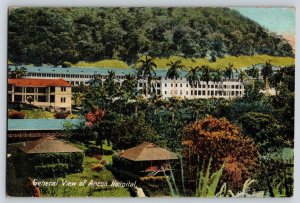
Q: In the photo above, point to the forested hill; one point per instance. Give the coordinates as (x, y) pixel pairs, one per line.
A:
(55, 36)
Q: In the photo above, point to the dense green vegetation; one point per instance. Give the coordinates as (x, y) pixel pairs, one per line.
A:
(260, 123)
(69, 35)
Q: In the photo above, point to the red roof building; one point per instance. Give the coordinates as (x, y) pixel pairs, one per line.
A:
(47, 93)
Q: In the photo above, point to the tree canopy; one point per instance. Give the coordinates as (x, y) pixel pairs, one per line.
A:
(60, 35)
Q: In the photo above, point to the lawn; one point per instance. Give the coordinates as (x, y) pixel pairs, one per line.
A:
(33, 114)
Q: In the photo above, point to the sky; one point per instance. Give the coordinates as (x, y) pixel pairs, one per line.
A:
(280, 20)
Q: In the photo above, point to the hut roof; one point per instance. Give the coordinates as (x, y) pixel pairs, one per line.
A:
(148, 152)
(48, 144)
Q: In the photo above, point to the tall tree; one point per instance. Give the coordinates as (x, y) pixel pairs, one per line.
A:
(146, 70)
(229, 74)
(218, 78)
(193, 77)
(174, 72)
(266, 73)
(206, 76)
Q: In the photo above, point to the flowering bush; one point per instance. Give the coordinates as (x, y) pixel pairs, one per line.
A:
(16, 114)
(97, 167)
(93, 117)
(103, 162)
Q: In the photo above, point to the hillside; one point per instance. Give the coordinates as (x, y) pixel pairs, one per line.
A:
(238, 62)
(59, 35)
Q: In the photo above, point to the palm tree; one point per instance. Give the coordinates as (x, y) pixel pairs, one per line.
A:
(193, 76)
(229, 73)
(266, 73)
(242, 76)
(146, 70)
(218, 77)
(174, 72)
(206, 75)
(17, 73)
(253, 72)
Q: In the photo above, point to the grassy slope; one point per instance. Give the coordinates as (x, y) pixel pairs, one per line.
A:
(238, 62)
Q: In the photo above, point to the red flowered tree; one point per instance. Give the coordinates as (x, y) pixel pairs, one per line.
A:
(223, 142)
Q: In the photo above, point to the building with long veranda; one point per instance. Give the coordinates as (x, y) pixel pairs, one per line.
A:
(164, 86)
(55, 94)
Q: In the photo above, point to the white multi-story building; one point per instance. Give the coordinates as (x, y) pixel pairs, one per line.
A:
(164, 86)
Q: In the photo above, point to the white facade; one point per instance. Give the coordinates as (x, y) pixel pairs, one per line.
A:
(165, 87)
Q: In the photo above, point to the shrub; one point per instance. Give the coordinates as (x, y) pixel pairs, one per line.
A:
(103, 162)
(16, 114)
(51, 170)
(97, 167)
(98, 156)
(93, 151)
(61, 115)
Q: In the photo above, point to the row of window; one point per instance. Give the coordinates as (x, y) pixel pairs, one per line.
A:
(209, 93)
(33, 98)
(48, 75)
(196, 86)
(35, 89)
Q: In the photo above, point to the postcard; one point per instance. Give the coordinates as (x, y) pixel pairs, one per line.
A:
(150, 102)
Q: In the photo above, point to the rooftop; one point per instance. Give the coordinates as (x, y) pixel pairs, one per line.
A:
(48, 145)
(39, 82)
(40, 124)
(148, 152)
(160, 72)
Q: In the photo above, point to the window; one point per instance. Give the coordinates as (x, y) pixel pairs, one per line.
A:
(29, 89)
(52, 89)
(212, 93)
(52, 98)
(176, 84)
(140, 84)
(165, 84)
(63, 89)
(9, 87)
(192, 92)
(208, 92)
(187, 93)
(165, 92)
(42, 99)
(232, 86)
(18, 98)
(18, 89)
(203, 86)
(42, 90)
(158, 84)
(9, 97)
(195, 92)
(232, 93)
(203, 92)
(180, 85)
(180, 92)
(237, 86)
(237, 93)
(63, 99)
(172, 85)
(216, 86)
(199, 92)
(158, 91)
(187, 85)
